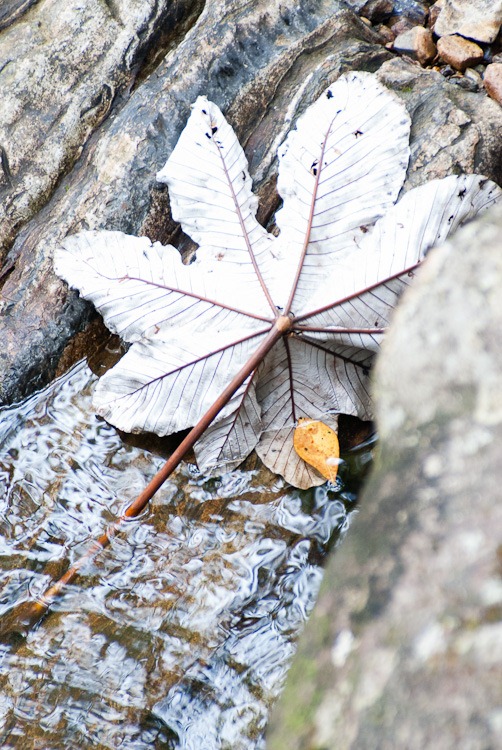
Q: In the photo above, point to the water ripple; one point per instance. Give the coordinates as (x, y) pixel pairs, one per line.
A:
(180, 633)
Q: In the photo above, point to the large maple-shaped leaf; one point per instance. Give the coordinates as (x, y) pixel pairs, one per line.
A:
(288, 325)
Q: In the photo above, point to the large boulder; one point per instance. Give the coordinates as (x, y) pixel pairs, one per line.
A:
(404, 647)
(260, 62)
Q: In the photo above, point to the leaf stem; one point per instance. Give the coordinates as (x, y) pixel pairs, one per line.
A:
(27, 614)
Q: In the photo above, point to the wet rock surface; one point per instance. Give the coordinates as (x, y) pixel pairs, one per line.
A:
(261, 64)
(61, 68)
(404, 646)
(96, 168)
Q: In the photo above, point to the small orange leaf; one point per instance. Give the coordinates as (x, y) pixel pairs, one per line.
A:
(317, 444)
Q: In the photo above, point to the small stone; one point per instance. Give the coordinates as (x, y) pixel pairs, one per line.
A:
(493, 81)
(417, 43)
(399, 25)
(434, 12)
(497, 58)
(414, 11)
(377, 10)
(386, 33)
(460, 53)
(476, 19)
(447, 71)
(366, 21)
(473, 75)
(487, 55)
(465, 83)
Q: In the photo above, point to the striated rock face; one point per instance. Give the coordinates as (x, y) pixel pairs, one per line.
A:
(404, 648)
(61, 68)
(259, 62)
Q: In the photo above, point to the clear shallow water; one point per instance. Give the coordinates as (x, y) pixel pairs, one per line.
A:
(180, 633)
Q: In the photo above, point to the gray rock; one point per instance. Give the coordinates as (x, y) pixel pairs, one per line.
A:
(476, 19)
(412, 9)
(378, 10)
(404, 648)
(375, 10)
(61, 68)
(453, 131)
(261, 63)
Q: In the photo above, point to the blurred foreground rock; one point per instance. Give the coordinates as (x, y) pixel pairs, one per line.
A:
(404, 649)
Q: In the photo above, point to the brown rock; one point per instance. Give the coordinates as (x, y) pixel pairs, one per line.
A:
(434, 12)
(387, 35)
(493, 81)
(376, 10)
(417, 43)
(460, 53)
(399, 25)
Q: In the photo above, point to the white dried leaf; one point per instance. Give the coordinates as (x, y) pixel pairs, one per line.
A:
(344, 255)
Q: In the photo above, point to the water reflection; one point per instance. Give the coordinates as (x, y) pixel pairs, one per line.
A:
(180, 633)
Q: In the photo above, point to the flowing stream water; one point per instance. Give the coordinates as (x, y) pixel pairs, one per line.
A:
(178, 635)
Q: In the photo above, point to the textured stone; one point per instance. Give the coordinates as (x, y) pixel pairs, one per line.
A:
(263, 66)
(458, 52)
(400, 25)
(62, 66)
(404, 648)
(386, 34)
(453, 131)
(414, 11)
(260, 62)
(493, 81)
(476, 19)
(434, 12)
(375, 10)
(417, 43)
